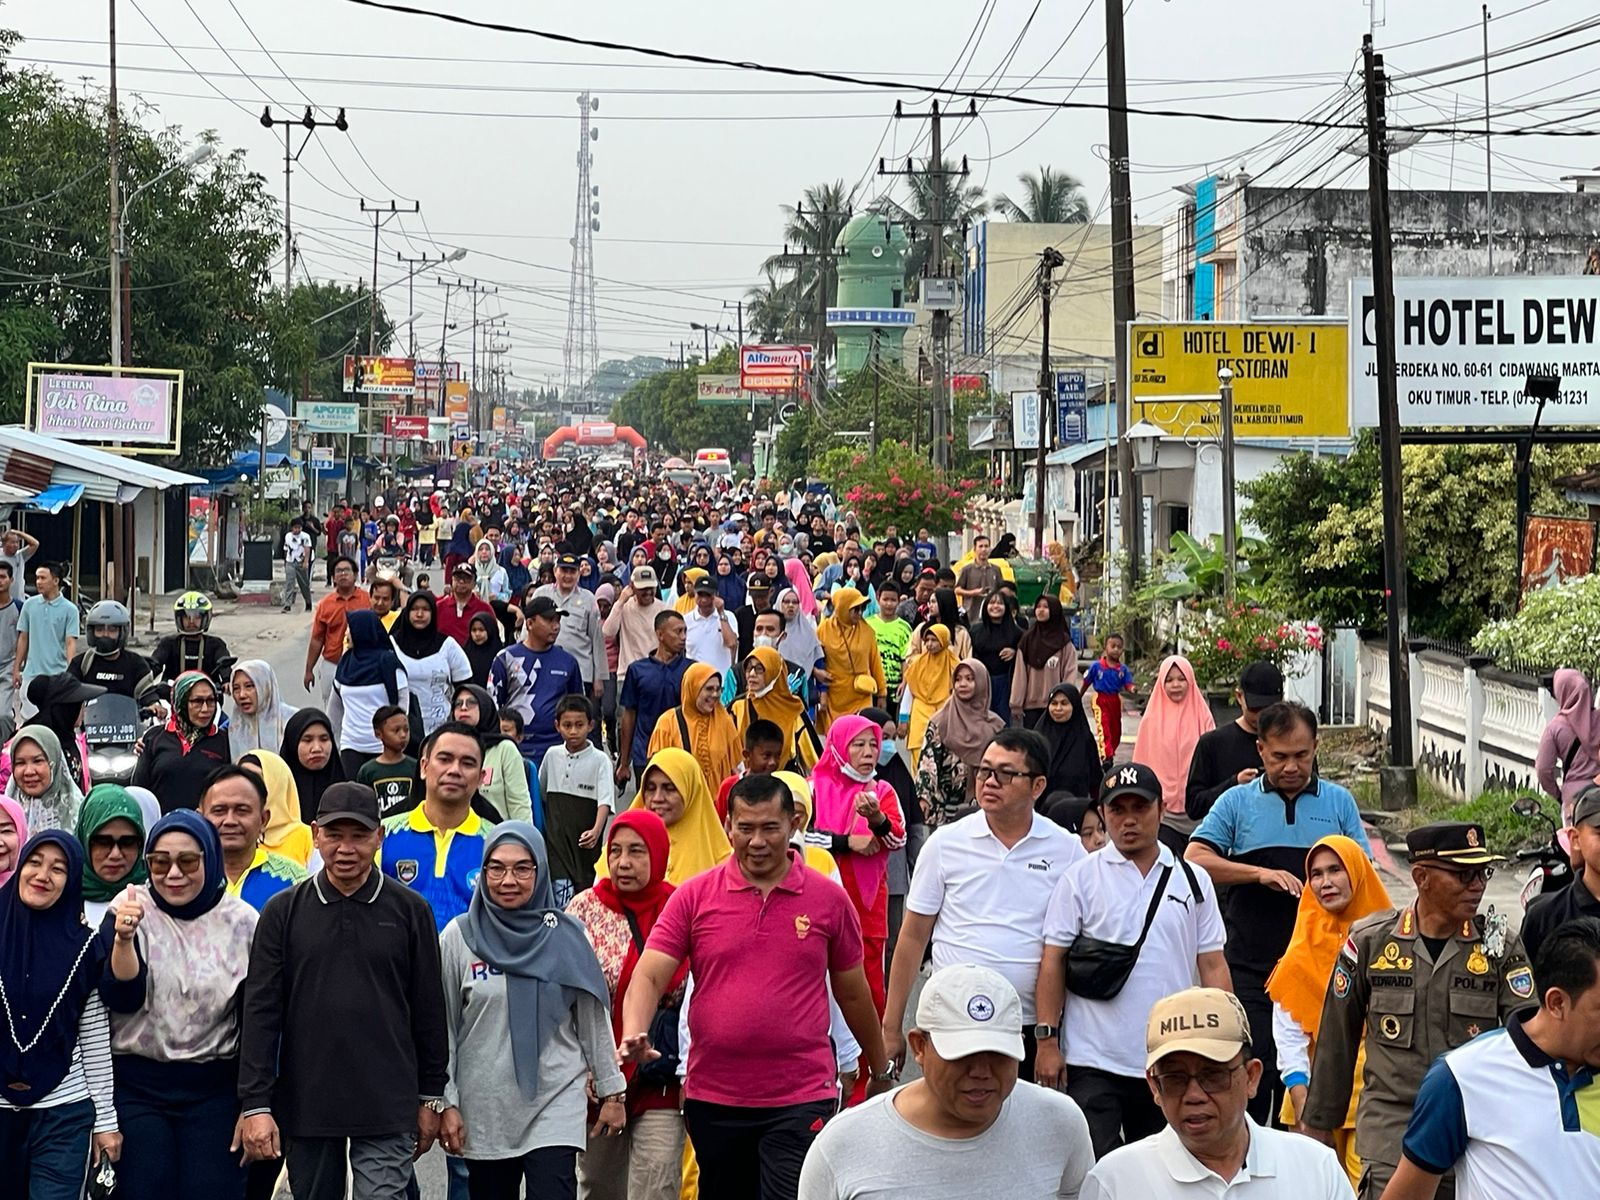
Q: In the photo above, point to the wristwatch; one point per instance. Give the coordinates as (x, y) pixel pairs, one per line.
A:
(1043, 1033)
(889, 1074)
(433, 1103)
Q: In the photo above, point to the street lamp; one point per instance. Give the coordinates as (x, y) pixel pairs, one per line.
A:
(1145, 438)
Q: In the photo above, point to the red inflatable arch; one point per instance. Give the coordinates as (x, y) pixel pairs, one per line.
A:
(597, 433)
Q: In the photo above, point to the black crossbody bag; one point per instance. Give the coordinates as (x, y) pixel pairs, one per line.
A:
(658, 1072)
(1098, 970)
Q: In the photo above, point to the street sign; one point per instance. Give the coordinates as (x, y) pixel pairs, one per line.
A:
(1072, 408)
(1289, 377)
(321, 416)
(722, 391)
(406, 427)
(321, 458)
(1464, 348)
(773, 368)
(1025, 420)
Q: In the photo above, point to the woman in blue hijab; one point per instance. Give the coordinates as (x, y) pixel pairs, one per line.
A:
(55, 1043)
(523, 1115)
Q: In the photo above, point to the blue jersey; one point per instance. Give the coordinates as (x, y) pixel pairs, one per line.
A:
(266, 876)
(440, 864)
(1108, 679)
(531, 683)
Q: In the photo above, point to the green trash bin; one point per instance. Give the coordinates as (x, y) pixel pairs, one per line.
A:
(1035, 577)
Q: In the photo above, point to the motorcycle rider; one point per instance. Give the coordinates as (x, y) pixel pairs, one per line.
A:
(108, 662)
(191, 648)
(388, 544)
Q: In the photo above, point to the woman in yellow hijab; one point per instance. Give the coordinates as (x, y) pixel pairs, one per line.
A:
(701, 726)
(1341, 888)
(850, 658)
(684, 603)
(673, 788)
(817, 858)
(768, 698)
(927, 685)
(284, 833)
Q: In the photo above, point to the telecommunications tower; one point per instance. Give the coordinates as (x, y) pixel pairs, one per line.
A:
(581, 353)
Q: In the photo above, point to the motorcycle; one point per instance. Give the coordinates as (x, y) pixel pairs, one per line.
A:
(391, 566)
(1552, 865)
(113, 725)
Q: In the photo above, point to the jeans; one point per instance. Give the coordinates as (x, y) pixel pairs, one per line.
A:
(296, 577)
(177, 1122)
(753, 1153)
(643, 1162)
(46, 1150)
(1000, 696)
(379, 1167)
(1119, 1108)
(550, 1172)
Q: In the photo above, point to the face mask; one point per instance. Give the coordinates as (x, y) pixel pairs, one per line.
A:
(858, 776)
(763, 640)
(762, 692)
(887, 751)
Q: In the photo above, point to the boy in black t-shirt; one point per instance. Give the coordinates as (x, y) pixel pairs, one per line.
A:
(390, 774)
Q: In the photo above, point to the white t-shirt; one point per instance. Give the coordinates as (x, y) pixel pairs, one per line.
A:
(1038, 1147)
(433, 680)
(990, 901)
(703, 640)
(1105, 897)
(350, 710)
(1277, 1166)
(297, 547)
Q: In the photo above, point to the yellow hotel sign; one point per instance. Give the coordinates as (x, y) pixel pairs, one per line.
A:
(1290, 378)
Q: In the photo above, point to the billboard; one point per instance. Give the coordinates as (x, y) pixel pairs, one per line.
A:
(1025, 420)
(773, 368)
(1464, 348)
(379, 376)
(456, 401)
(722, 391)
(326, 416)
(499, 418)
(138, 409)
(1289, 377)
(406, 427)
(1554, 551)
(1072, 407)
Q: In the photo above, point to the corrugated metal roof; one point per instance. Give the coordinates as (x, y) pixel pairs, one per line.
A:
(110, 478)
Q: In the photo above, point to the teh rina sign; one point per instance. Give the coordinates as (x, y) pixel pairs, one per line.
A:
(136, 410)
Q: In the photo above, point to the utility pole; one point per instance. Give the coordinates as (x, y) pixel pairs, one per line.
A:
(381, 216)
(1049, 259)
(1398, 780)
(738, 308)
(875, 379)
(113, 155)
(823, 256)
(310, 124)
(1122, 298)
(1488, 158)
(935, 173)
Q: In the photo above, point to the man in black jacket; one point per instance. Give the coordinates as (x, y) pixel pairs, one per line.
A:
(343, 1054)
(1581, 897)
(1227, 756)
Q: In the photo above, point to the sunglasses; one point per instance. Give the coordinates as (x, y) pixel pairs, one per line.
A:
(189, 862)
(1213, 1081)
(128, 844)
(1465, 876)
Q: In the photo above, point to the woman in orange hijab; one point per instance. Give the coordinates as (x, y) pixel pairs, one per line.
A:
(701, 726)
(767, 698)
(1341, 887)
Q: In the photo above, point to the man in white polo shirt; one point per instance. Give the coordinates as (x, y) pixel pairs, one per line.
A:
(1132, 893)
(1198, 1062)
(982, 885)
(1516, 1111)
(711, 635)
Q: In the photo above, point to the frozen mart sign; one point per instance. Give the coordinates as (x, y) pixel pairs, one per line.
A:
(1464, 349)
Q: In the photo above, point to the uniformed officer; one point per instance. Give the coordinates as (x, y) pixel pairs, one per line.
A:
(1413, 984)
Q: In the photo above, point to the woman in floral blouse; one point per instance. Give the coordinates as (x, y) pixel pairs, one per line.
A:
(646, 1159)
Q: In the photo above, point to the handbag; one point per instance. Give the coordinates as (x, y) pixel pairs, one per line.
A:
(1098, 970)
(659, 1072)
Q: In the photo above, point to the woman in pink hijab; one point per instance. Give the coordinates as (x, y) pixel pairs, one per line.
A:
(1569, 748)
(1175, 717)
(861, 816)
(13, 833)
(801, 579)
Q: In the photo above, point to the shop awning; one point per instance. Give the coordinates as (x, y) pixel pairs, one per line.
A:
(56, 497)
(37, 461)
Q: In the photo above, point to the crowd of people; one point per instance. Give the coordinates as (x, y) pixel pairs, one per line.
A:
(635, 859)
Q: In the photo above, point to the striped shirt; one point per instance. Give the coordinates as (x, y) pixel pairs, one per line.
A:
(89, 1076)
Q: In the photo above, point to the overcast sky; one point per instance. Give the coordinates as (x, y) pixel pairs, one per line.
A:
(693, 163)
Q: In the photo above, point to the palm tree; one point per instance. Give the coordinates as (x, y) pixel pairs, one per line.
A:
(959, 202)
(809, 232)
(1049, 197)
(770, 308)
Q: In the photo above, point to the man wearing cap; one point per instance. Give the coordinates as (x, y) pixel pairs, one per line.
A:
(460, 604)
(633, 618)
(965, 1119)
(1581, 897)
(758, 599)
(580, 634)
(711, 635)
(1408, 986)
(851, 665)
(343, 1054)
(1228, 755)
(532, 675)
(1132, 892)
(1200, 1071)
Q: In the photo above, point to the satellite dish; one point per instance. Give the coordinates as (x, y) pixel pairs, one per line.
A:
(277, 422)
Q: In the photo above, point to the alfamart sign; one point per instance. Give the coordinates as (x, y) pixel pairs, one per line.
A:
(1464, 349)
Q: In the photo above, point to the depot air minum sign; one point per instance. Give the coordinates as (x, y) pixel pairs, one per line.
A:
(1464, 348)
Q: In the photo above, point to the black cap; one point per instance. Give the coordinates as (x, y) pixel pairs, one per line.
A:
(348, 802)
(1450, 843)
(462, 568)
(1262, 685)
(1130, 779)
(705, 584)
(759, 584)
(568, 560)
(543, 606)
(1587, 810)
(46, 691)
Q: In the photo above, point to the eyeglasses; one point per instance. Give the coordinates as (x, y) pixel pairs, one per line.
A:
(1212, 1080)
(128, 844)
(204, 701)
(1002, 775)
(1465, 876)
(189, 862)
(521, 872)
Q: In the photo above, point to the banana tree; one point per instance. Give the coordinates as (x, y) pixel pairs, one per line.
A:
(1203, 567)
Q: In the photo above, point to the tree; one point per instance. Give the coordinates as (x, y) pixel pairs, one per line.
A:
(811, 228)
(772, 308)
(666, 410)
(960, 203)
(1049, 197)
(311, 331)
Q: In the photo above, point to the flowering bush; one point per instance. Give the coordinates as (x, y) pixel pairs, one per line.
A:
(1220, 639)
(1556, 627)
(900, 487)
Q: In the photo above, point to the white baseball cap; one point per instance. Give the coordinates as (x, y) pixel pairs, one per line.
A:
(968, 1009)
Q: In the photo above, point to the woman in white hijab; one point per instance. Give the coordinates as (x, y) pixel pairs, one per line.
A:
(254, 707)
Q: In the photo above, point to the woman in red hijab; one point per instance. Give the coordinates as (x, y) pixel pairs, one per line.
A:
(618, 913)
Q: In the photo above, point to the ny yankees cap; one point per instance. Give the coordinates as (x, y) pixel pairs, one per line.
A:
(1130, 779)
(968, 1009)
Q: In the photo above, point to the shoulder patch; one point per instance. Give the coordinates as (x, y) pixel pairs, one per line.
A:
(1520, 981)
(1341, 981)
(1350, 951)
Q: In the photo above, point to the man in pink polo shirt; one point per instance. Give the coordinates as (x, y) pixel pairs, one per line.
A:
(761, 929)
